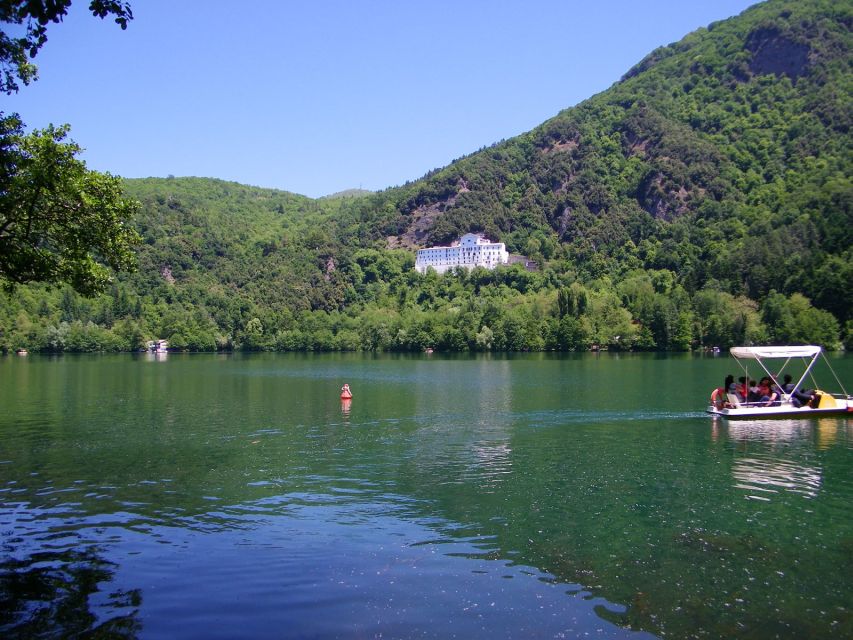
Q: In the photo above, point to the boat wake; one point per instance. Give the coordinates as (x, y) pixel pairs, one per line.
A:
(593, 417)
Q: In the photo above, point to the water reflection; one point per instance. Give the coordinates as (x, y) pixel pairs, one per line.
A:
(491, 462)
(824, 433)
(779, 430)
(374, 564)
(828, 432)
(764, 478)
(475, 498)
(64, 594)
(768, 473)
(467, 431)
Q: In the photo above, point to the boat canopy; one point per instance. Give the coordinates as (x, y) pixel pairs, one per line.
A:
(758, 353)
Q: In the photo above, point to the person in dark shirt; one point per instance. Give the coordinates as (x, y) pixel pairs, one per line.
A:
(798, 398)
(766, 393)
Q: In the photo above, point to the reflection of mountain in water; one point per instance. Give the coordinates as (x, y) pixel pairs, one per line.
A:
(764, 478)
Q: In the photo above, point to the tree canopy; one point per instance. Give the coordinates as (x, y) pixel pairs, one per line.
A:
(59, 222)
(33, 17)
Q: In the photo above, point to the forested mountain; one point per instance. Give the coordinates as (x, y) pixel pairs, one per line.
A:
(704, 199)
(724, 157)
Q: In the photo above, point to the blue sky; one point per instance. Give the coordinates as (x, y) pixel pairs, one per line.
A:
(317, 97)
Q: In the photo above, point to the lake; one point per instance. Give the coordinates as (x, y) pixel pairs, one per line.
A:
(504, 496)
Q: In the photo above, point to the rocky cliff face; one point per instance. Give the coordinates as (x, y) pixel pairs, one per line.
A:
(774, 52)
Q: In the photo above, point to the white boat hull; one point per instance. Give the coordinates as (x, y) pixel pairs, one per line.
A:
(785, 410)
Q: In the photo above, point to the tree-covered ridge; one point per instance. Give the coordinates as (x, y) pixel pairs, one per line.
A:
(703, 200)
(348, 193)
(224, 266)
(258, 244)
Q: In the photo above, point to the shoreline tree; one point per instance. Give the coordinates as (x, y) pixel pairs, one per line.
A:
(34, 16)
(59, 221)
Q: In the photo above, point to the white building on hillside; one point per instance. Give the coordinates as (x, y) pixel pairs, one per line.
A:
(471, 250)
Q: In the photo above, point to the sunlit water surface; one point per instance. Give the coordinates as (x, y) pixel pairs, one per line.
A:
(201, 496)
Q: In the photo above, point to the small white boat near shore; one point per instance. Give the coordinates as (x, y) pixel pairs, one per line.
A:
(798, 399)
(158, 346)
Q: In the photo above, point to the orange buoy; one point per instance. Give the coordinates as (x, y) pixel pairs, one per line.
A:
(346, 394)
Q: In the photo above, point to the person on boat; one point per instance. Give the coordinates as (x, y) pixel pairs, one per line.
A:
(734, 390)
(742, 388)
(753, 394)
(798, 398)
(776, 388)
(718, 395)
(767, 396)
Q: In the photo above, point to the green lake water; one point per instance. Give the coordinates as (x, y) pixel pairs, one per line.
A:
(529, 496)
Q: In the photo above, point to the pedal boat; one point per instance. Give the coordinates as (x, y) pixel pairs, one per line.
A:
(838, 403)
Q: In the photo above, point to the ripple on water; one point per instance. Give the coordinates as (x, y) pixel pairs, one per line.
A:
(765, 478)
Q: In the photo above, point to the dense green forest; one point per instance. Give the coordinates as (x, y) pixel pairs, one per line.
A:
(703, 200)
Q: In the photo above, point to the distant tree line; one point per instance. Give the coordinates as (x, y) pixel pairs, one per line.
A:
(390, 307)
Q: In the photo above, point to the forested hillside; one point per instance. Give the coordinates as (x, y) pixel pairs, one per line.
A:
(724, 158)
(703, 200)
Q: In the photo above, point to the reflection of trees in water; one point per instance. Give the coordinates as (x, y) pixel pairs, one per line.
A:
(58, 594)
